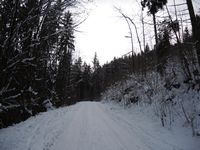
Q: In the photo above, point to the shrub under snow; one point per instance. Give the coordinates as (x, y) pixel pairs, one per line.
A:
(168, 97)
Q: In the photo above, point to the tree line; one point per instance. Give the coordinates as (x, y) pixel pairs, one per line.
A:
(36, 48)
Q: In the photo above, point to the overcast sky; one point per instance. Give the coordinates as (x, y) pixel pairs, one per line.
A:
(104, 30)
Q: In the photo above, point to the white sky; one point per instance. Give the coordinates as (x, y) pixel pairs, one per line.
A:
(104, 30)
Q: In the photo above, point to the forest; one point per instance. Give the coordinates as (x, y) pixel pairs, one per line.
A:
(38, 70)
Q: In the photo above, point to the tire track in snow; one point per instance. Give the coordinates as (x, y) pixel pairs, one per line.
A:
(87, 126)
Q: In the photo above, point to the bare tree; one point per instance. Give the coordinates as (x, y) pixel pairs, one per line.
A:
(174, 25)
(154, 7)
(128, 19)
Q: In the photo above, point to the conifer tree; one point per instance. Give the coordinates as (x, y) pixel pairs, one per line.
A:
(66, 48)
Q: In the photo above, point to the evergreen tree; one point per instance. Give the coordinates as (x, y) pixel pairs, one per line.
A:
(87, 85)
(66, 48)
(96, 77)
(76, 79)
(147, 49)
(36, 45)
(186, 36)
(163, 47)
(95, 62)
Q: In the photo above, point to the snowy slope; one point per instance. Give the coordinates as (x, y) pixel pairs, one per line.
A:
(93, 126)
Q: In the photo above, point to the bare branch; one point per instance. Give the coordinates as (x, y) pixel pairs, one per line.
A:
(127, 18)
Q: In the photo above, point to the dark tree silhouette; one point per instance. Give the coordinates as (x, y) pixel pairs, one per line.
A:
(36, 44)
(153, 8)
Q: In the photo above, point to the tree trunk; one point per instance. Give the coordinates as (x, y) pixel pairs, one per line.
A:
(193, 19)
(143, 32)
(170, 18)
(195, 29)
(156, 40)
(155, 28)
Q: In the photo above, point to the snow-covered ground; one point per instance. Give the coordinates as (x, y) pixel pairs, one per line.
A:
(95, 126)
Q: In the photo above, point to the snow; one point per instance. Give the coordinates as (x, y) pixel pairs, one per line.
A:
(172, 101)
(95, 126)
(27, 59)
(48, 105)
(13, 97)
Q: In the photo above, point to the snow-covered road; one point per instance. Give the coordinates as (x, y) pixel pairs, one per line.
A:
(90, 126)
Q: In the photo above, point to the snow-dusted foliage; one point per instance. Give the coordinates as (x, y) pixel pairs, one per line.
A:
(168, 97)
(36, 44)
